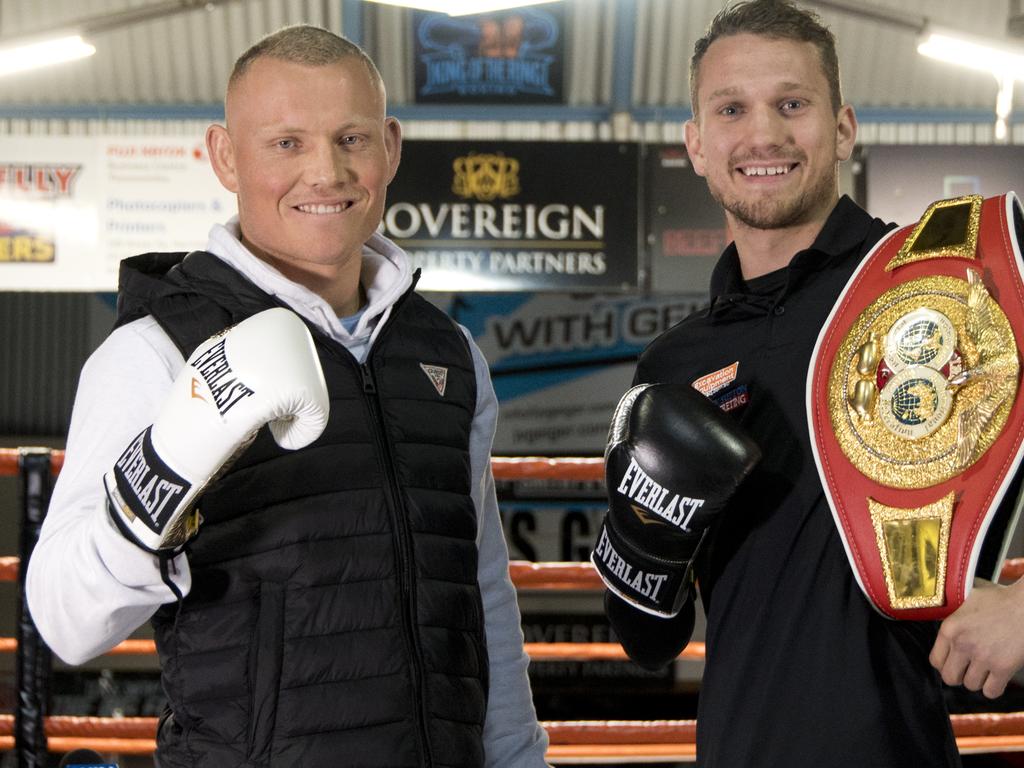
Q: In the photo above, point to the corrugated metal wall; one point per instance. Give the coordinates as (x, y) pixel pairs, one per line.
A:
(654, 131)
(180, 59)
(879, 61)
(185, 58)
(197, 48)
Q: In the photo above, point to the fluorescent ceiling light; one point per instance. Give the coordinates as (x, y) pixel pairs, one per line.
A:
(461, 7)
(1004, 62)
(999, 60)
(18, 58)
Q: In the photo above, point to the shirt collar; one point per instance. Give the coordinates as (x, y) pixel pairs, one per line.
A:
(845, 228)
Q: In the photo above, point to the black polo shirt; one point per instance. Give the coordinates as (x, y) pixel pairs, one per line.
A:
(801, 671)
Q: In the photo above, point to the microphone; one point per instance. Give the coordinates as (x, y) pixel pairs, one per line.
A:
(84, 758)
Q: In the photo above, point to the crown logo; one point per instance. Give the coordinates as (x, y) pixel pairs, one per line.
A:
(486, 177)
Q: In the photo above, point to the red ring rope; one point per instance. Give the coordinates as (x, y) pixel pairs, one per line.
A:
(583, 739)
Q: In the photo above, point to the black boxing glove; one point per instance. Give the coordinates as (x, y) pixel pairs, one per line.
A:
(651, 642)
(673, 461)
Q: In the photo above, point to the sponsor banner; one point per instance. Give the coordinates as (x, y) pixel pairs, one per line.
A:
(547, 531)
(507, 57)
(158, 194)
(493, 216)
(71, 207)
(579, 627)
(560, 362)
(902, 181)
(48, 212)
(565, 532)
(568, 628)
(686, 227)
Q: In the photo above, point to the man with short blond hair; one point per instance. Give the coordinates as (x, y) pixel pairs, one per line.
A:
(346, 599)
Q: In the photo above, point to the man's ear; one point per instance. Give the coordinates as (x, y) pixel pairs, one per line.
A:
(846, 132)
(222, 156)
(393, 145)
(691, 133)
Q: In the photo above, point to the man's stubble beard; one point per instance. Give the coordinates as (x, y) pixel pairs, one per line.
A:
(779, 212)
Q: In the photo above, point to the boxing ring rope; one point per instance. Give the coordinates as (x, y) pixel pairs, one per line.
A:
(603, 741)
(527, 468)
(570, 741)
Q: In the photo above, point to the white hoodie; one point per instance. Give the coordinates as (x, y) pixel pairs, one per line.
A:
(89, 588)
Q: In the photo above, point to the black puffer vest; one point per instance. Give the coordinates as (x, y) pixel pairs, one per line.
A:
(335, 616)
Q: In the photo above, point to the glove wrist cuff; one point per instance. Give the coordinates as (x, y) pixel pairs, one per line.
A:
(652, 585)
(149, 502)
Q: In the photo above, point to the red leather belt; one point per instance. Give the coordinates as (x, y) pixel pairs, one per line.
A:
(914, 408)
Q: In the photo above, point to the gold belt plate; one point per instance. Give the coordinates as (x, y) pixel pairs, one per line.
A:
(910, 406)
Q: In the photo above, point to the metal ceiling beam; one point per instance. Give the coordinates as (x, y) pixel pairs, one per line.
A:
(623, 56)
(105, 22)
(914, 22)
(1015, 23)
(879, 13)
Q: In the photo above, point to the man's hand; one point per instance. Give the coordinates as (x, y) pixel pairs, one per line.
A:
(673, 461)
(981, 645)
(264, 370)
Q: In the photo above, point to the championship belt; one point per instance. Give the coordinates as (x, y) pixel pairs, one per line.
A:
(912, 398)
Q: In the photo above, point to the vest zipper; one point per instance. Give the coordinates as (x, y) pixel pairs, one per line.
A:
(404, 551)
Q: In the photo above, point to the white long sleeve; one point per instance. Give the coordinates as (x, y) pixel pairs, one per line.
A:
(511, 734)
(88, 587)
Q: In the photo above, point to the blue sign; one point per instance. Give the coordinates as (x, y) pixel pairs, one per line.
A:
(513, 56)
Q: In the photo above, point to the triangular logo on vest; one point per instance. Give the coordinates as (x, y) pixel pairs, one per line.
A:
(438, 376)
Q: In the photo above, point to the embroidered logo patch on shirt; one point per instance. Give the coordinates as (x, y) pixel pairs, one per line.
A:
(733, 398)
(438, 376)
(714, 382)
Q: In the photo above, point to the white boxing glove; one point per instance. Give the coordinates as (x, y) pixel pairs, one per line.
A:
(265, 369)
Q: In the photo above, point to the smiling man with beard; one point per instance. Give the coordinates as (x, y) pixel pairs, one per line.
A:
(801, 670)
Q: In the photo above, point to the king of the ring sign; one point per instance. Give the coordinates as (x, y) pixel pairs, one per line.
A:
(499, 216)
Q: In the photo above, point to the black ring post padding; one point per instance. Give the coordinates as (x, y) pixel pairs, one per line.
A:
(34, 660)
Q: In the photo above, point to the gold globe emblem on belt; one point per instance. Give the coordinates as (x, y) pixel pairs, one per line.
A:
(924, 381)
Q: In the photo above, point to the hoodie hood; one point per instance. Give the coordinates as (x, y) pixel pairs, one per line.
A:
(385, 276)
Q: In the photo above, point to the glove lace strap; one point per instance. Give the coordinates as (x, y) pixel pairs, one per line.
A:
(165, 557)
